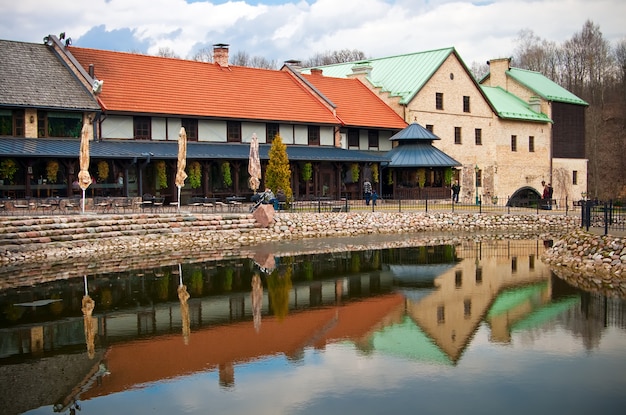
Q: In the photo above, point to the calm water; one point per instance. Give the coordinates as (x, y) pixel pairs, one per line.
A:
(477, 328)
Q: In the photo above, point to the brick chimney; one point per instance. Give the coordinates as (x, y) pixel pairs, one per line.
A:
(497, 72)
(361, 69)
(220, 54)
(316, 72)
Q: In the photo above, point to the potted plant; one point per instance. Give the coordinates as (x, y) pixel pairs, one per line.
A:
(195, 175)
(103, 171)
(161, 174)
(228, 181)
(307, 172)
(8, 168)
(421, 177)
(52, 169)
(354, 169)
(375, 173)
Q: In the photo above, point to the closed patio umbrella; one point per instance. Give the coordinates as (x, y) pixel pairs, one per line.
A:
(182, 162)
(254, 164)
(84, 178)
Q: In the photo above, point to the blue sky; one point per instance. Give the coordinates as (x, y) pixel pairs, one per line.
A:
(280, 30)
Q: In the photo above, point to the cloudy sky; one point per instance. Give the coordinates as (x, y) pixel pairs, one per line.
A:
(280, 30)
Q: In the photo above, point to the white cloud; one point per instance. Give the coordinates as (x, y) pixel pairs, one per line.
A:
(281, 30)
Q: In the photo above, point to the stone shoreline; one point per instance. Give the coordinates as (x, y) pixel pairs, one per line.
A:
(72, 237)
(585, 260)
(590, 262)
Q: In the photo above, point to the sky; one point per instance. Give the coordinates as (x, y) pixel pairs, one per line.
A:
(281, 30)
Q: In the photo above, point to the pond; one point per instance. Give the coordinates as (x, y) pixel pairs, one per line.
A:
(476, 327)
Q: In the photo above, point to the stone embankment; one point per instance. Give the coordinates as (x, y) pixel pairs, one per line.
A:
(93, 236)
(590, 262)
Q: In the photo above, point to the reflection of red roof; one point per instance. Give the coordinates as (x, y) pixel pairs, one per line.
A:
(166, 357)
(356, 104)
(145, 84)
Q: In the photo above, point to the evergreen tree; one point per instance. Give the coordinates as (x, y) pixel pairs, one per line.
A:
(278, 173)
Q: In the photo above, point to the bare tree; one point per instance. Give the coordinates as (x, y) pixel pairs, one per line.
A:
(479, 70)
(337, 56)
(167, 52)
(242, 58)
(536, 54)
(203, 55)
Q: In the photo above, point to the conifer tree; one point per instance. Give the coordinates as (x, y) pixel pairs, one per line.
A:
(278, 173)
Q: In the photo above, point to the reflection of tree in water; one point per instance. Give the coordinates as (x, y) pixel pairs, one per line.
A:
(279, 286)
(163, 285)
(197, 283)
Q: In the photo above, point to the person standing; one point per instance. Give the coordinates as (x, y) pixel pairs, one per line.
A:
(456, 189)
(367, 191)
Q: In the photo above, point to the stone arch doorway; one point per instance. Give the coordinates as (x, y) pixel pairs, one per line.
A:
(524, 197)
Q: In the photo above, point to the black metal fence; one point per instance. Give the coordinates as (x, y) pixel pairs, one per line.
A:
(609, 215)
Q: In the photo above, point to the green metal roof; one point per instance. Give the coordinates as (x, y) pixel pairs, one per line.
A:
(407, 340)
(401, 76)
(511, 298)
(543, 315)
(509, 106)
(544, 87)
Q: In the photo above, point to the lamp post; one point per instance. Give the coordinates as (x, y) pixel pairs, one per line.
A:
(476, 169)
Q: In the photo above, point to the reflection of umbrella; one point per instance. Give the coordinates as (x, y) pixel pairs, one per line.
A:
(183, 296)
(89, 322)
(84, 178)
(254, 164)
(182, 161)
(257, 301)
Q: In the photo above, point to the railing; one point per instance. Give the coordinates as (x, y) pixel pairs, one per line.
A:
(610, 215)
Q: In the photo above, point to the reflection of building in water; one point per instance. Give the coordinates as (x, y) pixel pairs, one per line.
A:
(451, 314)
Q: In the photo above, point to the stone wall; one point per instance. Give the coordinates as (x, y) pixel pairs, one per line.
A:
(55, 238)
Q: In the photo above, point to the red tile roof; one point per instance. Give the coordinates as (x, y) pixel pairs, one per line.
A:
(356, 104)
(136, 83)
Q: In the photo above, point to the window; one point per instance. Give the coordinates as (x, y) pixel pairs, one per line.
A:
(271, 131)
(458, 278)
(314, 135)
(439, 100)
(513, 143)
(467, 308)
(479, 178)
(478, 136)
(372, 139)
(466, 104)
(575, 177)
(514, 264)
(233, 132)
(531, 144)
(457, 135)
(191, 128)
(141, 128)
(430, 128)
(353, 138)
(12, 122)
(479, 275)
(441, 314)
(59, 124)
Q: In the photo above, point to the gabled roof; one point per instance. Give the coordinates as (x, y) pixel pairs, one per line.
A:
(401, 76)
(162, 150)
(142, 84)
(508, 106)
(356, 104)
(544, 87)
(31, 75)
(420, 155)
